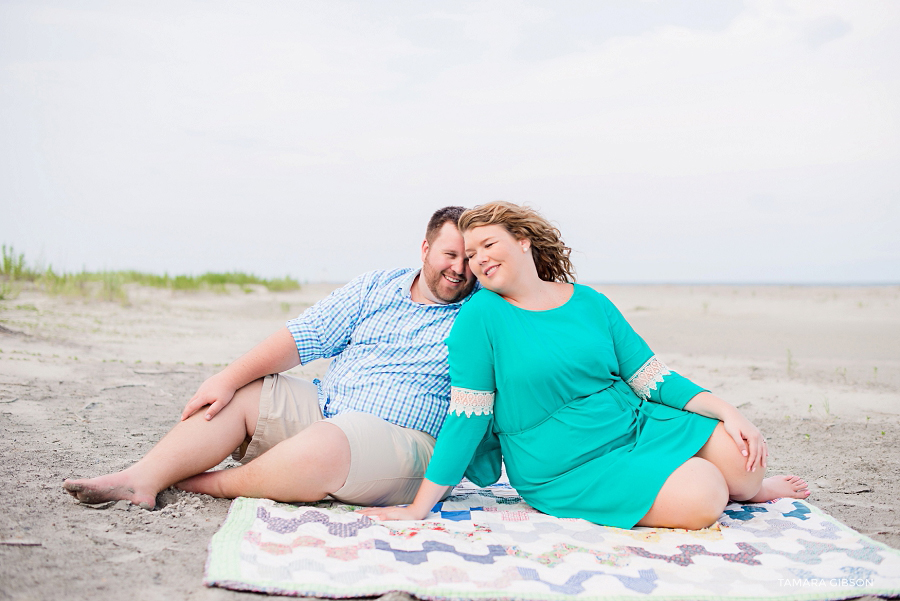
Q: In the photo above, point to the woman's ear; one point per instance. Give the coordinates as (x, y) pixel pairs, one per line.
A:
(526, 244)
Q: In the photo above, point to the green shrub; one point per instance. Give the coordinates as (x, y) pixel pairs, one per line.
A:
(110, 285)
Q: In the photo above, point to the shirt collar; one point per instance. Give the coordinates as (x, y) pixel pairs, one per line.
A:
(404, 284)
(405, 288)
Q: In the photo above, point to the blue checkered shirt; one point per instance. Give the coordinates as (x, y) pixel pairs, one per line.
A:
(390, 359)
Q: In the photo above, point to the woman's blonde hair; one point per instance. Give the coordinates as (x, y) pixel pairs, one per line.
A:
(551, 256)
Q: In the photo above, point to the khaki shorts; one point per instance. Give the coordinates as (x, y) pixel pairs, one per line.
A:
(387, 462)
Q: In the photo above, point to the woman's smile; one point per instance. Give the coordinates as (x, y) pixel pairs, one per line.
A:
(490, 247)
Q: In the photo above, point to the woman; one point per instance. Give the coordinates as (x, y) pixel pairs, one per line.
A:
(590, 423)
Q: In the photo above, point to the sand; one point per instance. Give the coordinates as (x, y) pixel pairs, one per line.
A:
(87, 388)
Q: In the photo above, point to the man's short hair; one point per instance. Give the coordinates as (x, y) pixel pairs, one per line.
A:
(439, 218)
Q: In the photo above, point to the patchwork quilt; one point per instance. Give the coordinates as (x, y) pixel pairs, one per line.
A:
(487, 543)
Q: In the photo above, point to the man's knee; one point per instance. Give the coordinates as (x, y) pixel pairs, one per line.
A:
(246, 400)
(322, 455)
(388, 461)
(326, 436)
(249, 393)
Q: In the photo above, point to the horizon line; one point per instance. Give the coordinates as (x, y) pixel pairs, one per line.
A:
(689, 283)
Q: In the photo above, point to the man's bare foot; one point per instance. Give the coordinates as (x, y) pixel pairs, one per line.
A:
(111, 487)
(777, 487)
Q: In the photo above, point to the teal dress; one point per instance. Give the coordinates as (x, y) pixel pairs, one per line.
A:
(588, 421)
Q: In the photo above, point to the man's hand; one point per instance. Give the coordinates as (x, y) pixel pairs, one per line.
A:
(393, 513)
(275, 354)
(216, 392)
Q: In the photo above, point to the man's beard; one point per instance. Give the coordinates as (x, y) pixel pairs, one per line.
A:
(433, 280)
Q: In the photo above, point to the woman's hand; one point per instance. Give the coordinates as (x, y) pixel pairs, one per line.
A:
(393, 513)
(216, 391)
(429, 494)
(748, 439)
(746, 436)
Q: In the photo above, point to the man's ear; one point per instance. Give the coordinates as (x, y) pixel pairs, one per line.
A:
(425, 248)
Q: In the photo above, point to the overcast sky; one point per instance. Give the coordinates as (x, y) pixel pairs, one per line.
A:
(671, 140)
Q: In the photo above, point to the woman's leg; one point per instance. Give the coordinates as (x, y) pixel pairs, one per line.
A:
(721, 451)
(695, 494)
(191, 447)
(692, 497)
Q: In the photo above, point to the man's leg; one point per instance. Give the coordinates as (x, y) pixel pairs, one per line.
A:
(191, 447)
(388, 461)
(306, 467)
(357, 458)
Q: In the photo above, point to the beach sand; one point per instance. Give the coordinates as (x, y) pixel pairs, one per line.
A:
(87, 388)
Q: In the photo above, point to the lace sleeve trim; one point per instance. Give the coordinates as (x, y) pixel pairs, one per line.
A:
(477, 402)
(647, 377)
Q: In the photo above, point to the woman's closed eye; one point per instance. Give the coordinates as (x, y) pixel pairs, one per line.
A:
(471, 255)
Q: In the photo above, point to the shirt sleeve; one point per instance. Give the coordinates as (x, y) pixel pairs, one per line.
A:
(647, 376)
(324, 330)
(466, 443)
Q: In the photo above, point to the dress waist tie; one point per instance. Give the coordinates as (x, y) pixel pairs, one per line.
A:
(642, 408)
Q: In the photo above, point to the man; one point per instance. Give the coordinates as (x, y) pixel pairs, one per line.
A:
(364, 435)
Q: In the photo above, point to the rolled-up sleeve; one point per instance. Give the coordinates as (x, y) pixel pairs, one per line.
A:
(324, 330)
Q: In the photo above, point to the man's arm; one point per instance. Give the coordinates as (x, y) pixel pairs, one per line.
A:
(321, 331)
(275, 354)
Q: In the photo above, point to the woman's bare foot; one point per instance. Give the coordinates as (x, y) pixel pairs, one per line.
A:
(111, 487)
(777, 487)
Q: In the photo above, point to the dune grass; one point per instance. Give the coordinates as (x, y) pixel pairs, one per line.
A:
(110, 285)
